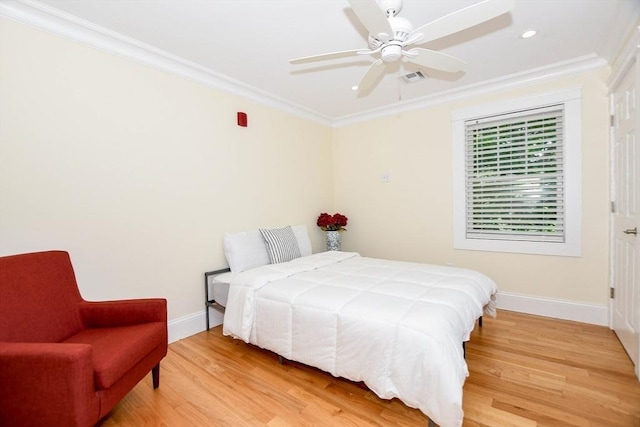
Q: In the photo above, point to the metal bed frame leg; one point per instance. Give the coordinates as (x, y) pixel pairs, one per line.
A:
(464, 344)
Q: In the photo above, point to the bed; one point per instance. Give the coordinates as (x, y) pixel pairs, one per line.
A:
(399, 327)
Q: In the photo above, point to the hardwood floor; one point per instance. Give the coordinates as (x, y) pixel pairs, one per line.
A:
(524, 371)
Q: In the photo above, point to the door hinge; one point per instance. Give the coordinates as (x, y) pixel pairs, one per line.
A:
(612, 120)
(612, 293)
(613, 207)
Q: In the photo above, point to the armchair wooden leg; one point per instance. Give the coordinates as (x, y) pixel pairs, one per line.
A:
(155, 373)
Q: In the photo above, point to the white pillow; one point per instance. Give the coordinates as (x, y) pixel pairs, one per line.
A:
(304, 244)
(281, 244)
(247, 249)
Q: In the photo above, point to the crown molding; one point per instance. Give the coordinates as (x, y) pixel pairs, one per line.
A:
(628, 56)
(622, 27)
(68, 26)
(538, 75)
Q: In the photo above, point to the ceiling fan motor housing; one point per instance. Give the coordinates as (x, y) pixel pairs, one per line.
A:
(392, 50)
(401, 28)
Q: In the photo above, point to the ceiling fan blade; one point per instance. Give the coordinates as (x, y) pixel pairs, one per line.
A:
(373, 18)
(462, 19)
(325, 56)
(434, 59)
(370, 78)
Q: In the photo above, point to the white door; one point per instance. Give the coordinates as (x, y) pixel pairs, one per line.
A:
(625, 217)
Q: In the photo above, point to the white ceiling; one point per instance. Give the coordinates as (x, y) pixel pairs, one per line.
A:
(251, 41)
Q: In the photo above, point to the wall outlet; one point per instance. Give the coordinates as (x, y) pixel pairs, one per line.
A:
(385, 177)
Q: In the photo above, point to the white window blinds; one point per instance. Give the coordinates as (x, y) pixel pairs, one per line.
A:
(514, 176)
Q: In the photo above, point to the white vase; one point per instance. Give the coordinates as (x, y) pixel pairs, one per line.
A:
(333, 240)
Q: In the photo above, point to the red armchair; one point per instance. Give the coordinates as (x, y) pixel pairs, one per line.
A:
(65, 361)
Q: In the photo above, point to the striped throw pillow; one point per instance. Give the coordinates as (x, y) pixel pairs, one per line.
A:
(281, 243)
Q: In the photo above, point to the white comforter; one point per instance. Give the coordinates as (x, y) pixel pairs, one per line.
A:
(397, 326)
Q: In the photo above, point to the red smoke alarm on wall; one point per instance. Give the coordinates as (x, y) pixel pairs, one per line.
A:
(242, 119)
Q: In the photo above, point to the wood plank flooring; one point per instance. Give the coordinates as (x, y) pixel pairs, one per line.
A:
(524, 371)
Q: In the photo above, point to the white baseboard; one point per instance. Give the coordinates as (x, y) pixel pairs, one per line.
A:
(550, 307)
(195, 323)
(192, 324)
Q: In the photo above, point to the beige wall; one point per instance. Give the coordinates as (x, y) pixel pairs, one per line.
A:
(139, 173)
(410, 218)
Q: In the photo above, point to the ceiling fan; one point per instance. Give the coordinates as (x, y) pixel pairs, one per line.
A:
(390, 36)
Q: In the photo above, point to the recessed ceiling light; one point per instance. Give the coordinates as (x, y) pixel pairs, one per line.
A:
(354, 87)
(528, 34)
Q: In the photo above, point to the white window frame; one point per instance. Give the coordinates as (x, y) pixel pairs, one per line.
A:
(571, 99)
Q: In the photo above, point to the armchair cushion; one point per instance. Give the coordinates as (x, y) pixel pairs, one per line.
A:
(117, 350)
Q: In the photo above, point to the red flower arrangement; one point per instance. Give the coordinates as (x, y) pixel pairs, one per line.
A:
(335, 222)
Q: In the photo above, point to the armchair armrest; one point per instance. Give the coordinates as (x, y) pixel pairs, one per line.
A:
(47, 384)
(123, 312)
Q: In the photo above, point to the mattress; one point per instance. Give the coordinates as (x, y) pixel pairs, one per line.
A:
(396, 326)
(220, 287)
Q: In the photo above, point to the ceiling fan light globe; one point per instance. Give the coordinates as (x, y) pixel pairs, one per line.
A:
(391, 53)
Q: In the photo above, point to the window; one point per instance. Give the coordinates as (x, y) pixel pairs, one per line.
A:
(517, 176)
